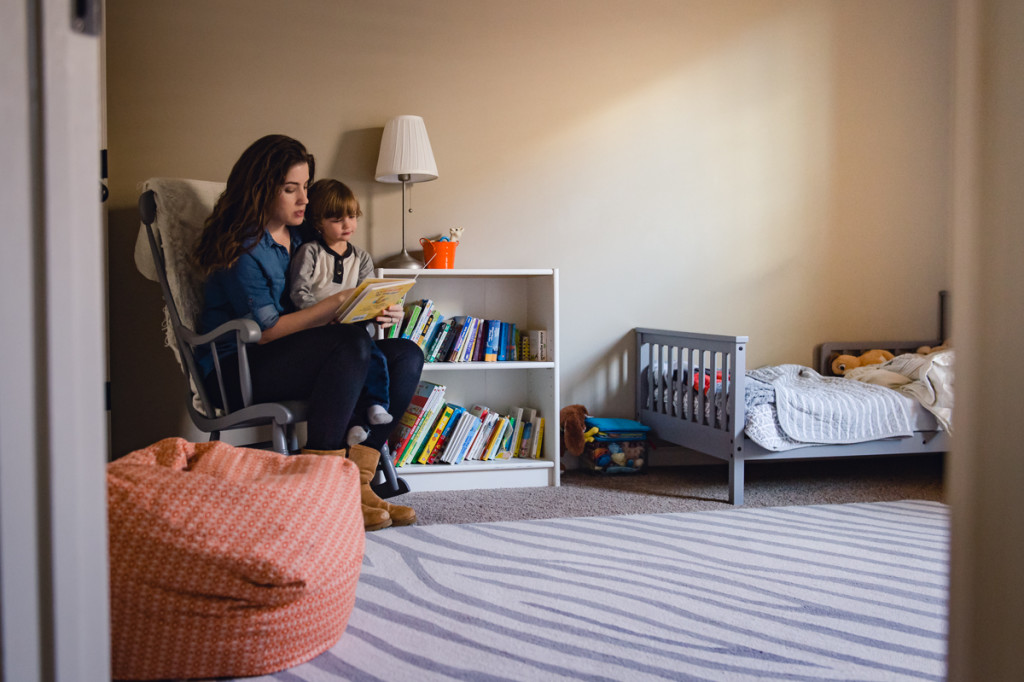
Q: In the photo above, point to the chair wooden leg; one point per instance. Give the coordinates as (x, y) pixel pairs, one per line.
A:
(280, 440)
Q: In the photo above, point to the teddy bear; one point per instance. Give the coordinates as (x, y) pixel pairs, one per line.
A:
(842, 363)
(573, 419)
(925, 350)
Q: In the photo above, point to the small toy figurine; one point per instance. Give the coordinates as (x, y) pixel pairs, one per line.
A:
(456, 234)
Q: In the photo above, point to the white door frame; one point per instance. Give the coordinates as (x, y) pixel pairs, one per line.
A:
(53, 441)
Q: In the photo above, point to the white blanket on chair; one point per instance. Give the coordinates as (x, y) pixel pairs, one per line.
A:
(182, 208)
(812, 409)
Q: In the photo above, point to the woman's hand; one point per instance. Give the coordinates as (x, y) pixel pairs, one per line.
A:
(390, 316)
(338, 300)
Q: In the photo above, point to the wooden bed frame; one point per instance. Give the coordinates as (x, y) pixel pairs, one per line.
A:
(717, 429)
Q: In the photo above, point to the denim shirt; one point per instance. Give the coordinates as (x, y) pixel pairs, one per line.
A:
(255, 287)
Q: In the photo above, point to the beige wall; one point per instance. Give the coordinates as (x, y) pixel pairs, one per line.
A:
(776, 169)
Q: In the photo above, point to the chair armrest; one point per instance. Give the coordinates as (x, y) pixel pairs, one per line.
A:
(247, 332)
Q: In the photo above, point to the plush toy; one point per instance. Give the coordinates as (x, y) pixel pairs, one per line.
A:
(574, 428)
(842, 363)
(925, 350)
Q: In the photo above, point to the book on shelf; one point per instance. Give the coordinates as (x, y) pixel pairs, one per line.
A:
(516, 413)
(538, 438)
(422, 456)
(504, 448)
(496, 445)
(431, 412)
(538, 345)
(525, 440)
(466, 430)
(462, 324)
(488, 419)
(480, 412)
(466, 352)
(412, 316)
(493, 438)
(426, 312)
(431, 344)
(438, 447)
(412, 417)
(371, 297)
(480, 343)
(506, 345)
(429, 329)
(444, 345)
(523, 346)
(492, 343)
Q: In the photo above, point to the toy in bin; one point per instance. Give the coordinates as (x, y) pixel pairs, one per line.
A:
(617, 446)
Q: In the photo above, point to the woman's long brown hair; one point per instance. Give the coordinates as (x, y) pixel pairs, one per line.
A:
(240, 213)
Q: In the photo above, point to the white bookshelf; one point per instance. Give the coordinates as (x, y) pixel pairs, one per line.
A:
(529, 298)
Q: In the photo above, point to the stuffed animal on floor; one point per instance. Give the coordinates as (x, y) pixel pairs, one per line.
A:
(843, 363)
(573, 419)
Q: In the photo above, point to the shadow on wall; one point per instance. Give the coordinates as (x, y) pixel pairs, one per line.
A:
(146, 384)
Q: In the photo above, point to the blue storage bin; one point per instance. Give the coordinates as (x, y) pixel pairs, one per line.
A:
(618, 447)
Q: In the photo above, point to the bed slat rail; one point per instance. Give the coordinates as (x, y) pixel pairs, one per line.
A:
(691, 384)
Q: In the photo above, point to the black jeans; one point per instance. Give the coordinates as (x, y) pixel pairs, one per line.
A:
(326, 366)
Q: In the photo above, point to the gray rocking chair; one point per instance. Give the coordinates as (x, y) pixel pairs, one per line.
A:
(170, 238)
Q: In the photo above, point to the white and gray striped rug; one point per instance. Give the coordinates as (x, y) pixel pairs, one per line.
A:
(829, 592)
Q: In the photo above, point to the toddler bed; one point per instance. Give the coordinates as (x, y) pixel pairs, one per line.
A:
(694, 390)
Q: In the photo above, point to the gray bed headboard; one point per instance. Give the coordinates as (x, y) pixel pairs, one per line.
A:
(826, 352)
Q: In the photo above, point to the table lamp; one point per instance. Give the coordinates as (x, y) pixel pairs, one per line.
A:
(405, 157)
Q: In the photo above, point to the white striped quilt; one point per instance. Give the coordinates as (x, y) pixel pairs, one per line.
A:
(810, 409)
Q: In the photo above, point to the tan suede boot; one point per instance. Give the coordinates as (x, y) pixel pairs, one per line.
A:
(374, 518)
(366, 459)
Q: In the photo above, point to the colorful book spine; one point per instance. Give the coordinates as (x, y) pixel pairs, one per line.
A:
(437, 450)
(503, 341)
(423, 456)
(480, 342)
(431, 411)
(427, 309)
(433, 346)
(492, 343)
(524, 346)
(461, 446)
(529, 414)
(465, 326)
(538, 441)
(412, 417)
(445, 346)
(412, 316)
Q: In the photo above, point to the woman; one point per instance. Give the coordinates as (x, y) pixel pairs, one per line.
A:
(244, 252)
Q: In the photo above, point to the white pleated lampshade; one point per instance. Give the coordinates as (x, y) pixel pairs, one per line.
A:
(405, 150)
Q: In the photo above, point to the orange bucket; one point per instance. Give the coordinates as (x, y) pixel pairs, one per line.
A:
(438, 255)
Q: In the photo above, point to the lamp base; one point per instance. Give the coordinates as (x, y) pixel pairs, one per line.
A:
(401, 261)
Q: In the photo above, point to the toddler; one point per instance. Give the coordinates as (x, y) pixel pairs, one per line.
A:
(329, 264)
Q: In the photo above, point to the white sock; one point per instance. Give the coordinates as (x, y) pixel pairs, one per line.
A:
(378, 415)
(356, 435)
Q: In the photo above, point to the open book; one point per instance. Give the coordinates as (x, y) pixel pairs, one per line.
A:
(372, 296)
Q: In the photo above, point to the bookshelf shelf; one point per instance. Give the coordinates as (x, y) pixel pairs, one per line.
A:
(529, 298)
(477, 366)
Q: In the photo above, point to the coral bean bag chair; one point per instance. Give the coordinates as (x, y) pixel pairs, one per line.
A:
(228, 561)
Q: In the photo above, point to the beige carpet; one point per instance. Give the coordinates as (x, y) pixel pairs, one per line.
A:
(692, 488)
